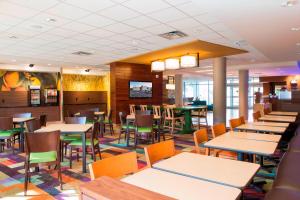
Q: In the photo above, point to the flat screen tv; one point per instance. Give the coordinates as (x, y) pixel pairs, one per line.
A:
(140, 89)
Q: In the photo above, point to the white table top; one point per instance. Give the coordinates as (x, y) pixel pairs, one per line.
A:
(66, 128)
(277, 118)
(269, 129)
(180, 187)
(253, 136)
(277, 124)
(218, 170)
(235, 144)
(132, 117)
(21, 120)
(283, 113)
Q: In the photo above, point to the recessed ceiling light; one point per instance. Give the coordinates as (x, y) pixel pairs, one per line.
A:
(50, 20)
(13, 37)
(298, 43)
(13, 60)
(288, 3)
(49, 64)
(295, 29)
(37, 26)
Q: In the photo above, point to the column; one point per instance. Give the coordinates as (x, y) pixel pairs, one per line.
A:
(178, 90)
(61, 96)
(243, 93)
(219, 93)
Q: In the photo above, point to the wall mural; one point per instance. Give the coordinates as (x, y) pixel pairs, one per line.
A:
(77, 82)
(20, 81)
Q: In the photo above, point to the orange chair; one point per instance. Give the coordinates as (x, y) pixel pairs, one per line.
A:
(242, 119)
(234, 123)
(267, 111)
(218, 129)
(159, 151)
(115, 167)
(200, 137)
(256, 116)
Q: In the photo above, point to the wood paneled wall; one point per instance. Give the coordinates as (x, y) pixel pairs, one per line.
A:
(120, 75)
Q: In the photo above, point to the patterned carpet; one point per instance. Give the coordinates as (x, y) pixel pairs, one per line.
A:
(45, 184)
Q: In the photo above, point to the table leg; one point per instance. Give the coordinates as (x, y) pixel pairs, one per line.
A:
(240, 156)
(127, 133)
(187, 127)
(158, 134)
(83, 152)
(21, 147)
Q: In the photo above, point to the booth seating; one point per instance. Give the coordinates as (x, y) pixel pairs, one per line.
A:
(287, 182)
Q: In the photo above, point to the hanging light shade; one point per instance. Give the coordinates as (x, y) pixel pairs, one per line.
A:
(172, 63)
(188, 61)
(170, 86)
(158, 66)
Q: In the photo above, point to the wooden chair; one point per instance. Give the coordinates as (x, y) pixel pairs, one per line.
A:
(234, 123)
(143, 112)
(43, 120)
(157, 111)
(242, 120)
(171, 121)
(33, 125)
(115, 167)
(200, 114)
(200, 137)
(92, 141)
(267, 111)
(6, 133)
(17, 128)
(144, 107)
(123, 128)
(132, 109)
(89, 114)
(144, 128)
(75, 120)
(159, 151)
(42, 148)
(256, 116)
(108, 122)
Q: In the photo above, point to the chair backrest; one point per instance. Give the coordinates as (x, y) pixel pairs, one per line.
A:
(203, 111)
(33, 125)
(242, 120)
(43, 120)
(42, 142)
(115, 166)
(144, 120)
(218, 129)
(169, 112)
(156, 110)
(143, 107)
(94, 109)
(75, 120)
(22, 115)
(141, 112)
(159, 151)
(6, 123)
(89, 114)
(109, 115)
(122, 116)
(234, 123)
(200, 136)
(95, 132)
(267, 111)
(256, 116)
(132, 109)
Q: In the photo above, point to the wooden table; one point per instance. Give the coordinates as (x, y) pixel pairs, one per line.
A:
(283, 113)
(109, 188)
(277, 118)
(252, 136)
(181, 187)
(277, 124)
(241, 146)
(257, 128)
(69, 129)
(208, 168)
(21, 122)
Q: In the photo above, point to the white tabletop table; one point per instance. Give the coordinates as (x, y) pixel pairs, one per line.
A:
(95, 113)
(277, 118)
(268, 129)
(283, 113)
(241, 146)
(69, 129)
(277, 124)
(181, 187)
(252, 136)
(21, 122)
(214, 169)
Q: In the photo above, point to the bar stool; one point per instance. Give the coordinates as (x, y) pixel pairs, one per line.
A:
(200, 114)
(143, 107)
(171, 121)
(132, 109)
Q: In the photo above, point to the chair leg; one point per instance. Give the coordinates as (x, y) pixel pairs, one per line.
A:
(70, 162)
(99, 152)
(59, 175)
(120, 136)
(112, 129)
(26, 179)
(93, 153)
(77, 154)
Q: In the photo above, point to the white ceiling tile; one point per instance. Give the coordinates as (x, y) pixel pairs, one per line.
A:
(146, 6)
(35, 27)
(9, 20)
(155, 39)
(16, 10)
(120, 38)
(62, 32)
(96, 20)
(206, 19)
(159, 29)
(119, 45)
(78, 27)
(138, 34)
(91, 5)
(36, 4)
(177, 2)
(68, 11)
(21, 32)
(219, 27)
(100, 33)
(141, 22)
(119, 28)
(192, 9)
(84, 37)
(184, 23)
(101, 42)
(119, 13)
(3, 27)
(166, 15)
(43, 18)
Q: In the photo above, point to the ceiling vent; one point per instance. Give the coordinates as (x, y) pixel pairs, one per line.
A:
(82, 53)
(241, 43)
(173, 35)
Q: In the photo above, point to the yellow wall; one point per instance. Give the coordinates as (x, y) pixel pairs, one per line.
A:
(77, 82)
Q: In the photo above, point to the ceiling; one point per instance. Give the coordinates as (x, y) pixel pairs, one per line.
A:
(48, 32)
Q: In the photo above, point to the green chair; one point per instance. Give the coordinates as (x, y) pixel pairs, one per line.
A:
(124, 126)
(144, 128)
(42, 148)
(108, 122)
(92, 142)
(6, 133)
(17, 129)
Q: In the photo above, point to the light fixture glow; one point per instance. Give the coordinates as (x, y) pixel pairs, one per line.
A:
(158, 66)
(170, 86)
(188, 61)
(172, 63)
(295, 29)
